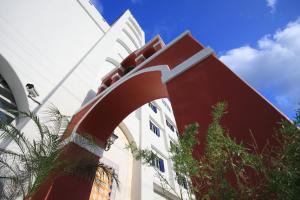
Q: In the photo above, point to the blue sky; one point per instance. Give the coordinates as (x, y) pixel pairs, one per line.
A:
(260, 30)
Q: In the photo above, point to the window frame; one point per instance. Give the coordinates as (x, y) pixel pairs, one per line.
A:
(158, 162)
(154, 128)
(170, 125)
(153, 107)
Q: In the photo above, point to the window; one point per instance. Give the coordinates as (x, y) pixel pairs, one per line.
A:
(154, 128)
(169, 124)
(153, 107)
(158, 163)
(166, 105)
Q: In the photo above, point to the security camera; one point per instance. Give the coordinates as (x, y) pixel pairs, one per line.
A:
(31, 90)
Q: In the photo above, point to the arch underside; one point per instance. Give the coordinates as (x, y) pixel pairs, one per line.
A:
(104, 113)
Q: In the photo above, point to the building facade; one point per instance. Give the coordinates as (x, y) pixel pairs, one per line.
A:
(64, 50)
(106, 77)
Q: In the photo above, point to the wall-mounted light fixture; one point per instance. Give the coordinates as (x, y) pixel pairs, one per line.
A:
(110, 141)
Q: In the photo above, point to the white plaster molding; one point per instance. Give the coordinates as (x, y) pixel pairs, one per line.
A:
(158, 52)
(187, 64)
(84, 143)
(145, 45)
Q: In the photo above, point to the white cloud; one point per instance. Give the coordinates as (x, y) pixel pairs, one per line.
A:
(272, 4)
(273, 67)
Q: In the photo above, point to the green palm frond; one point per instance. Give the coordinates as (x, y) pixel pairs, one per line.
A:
(24, 168)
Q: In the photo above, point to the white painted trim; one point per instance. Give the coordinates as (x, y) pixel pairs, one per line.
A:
(145, 45)
(158, 53)
(141, 58)
(187, 64)
(84, 143)
(130, 74)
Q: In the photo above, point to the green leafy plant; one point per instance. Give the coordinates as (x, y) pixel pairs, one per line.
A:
(227, 169)
(227, 166)
(27, 162)
(283, 162)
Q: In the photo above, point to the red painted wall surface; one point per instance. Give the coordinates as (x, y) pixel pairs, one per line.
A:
(126, 98)
(193, 94)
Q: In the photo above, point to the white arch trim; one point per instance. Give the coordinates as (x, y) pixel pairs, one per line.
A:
(15, 84)
(89, 145)
(99, 97)
(127, 132)
(167, 75)
(187, 64)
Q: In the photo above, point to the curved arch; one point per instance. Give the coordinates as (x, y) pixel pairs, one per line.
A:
(15, 84)
(124, 45)
(124, 97)
(127, 132)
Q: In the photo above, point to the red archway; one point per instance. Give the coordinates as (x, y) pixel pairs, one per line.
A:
(193, 79)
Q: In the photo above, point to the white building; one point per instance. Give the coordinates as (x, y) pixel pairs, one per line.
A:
(64, 49)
